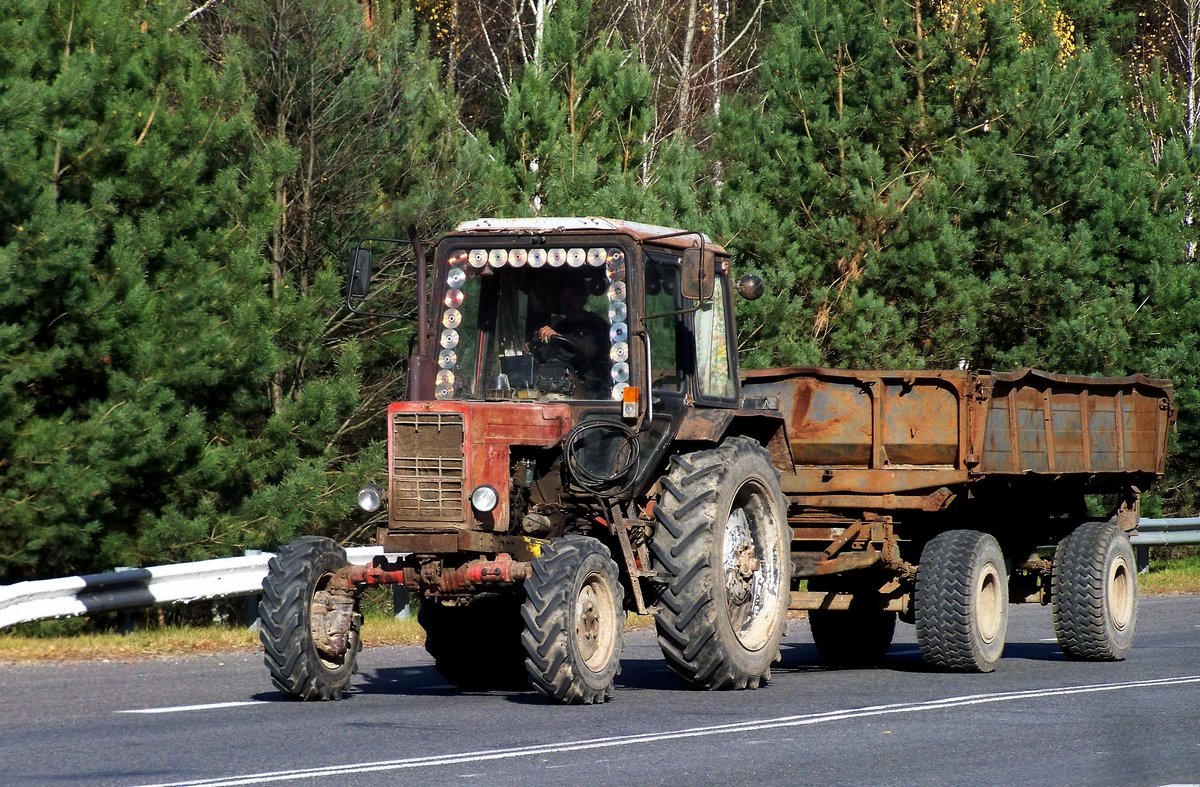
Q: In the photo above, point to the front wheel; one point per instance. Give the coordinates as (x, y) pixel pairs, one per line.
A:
(574, 621)
(309, 631)
(962, 601)
(724, 541)
(1094, 593)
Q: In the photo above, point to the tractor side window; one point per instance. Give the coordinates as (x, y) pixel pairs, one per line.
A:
(712, 347)
(663, 324)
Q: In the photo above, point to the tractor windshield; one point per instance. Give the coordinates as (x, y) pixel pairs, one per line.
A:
(539, 324)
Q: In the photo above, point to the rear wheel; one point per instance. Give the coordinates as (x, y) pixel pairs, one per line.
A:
(962, 601)
(854, 637)
(724, 540)
(1094, 597)
(574, 621)
(309, 631)
(476, 646)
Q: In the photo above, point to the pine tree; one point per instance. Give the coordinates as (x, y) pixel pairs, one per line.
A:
(130, 321)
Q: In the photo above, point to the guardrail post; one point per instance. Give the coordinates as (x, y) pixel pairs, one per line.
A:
(1143, 559)
(125, 623)
(250, 608)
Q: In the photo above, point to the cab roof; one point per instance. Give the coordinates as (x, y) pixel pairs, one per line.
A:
(568, 224)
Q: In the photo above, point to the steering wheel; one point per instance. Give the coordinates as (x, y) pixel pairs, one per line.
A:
(558, 348)
(567, 342)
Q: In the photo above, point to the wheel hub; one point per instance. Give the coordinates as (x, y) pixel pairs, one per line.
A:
(588, 627)
(331, 623)
(740, 578)
(595, 619)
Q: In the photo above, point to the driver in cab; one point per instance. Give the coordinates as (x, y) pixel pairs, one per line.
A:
(574, 332)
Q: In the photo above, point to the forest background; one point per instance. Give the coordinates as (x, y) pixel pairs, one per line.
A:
(922, 183)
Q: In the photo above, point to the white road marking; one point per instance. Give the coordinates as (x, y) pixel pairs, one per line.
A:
(1049, 639)
(692, 732)
(186, 708)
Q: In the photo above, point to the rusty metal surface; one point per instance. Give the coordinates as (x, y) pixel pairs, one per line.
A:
(1043, 423)
(870, 419)
(418, 543)
(439, 452)
(427, 466)
(857, 436)
(704, 425)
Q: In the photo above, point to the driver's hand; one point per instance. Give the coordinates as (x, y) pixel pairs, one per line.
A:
(545, 332)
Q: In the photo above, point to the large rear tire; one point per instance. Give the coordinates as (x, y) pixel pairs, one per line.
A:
(476, 646)
(309, 633)
(854, 637)
(962, 601)
(574, 621)
(724, 540)
(1094, 598)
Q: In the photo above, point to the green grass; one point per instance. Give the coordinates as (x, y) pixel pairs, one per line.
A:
(1172, 576)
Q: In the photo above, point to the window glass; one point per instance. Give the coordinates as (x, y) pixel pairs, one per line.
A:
(537, 324)
(712, 347)
(663, 323)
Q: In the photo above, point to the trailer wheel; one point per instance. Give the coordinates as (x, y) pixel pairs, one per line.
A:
(962, 601)
(724, 540)
(309, 633)
(574, 621)
(477, 646)
(854, 637)
(1094, 597)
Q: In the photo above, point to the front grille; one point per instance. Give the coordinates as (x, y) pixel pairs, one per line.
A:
(427, 468)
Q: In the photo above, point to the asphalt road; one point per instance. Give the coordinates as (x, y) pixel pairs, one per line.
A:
(1038, 720)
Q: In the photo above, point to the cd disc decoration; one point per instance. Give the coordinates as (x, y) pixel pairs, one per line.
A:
(618, 331)
(466, 263)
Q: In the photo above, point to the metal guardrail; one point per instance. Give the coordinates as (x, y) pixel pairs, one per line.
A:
(132, 588)
(1161, 532)
(25, 602)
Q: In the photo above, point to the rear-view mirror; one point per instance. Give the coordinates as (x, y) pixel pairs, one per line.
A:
(359, 273)
(699, 273)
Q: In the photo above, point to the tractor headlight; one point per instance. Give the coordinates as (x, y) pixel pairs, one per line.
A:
(484, 499)
(370, 497)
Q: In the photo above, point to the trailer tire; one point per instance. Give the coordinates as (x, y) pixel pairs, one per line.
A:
(724, 540)
(854, 637)
(574, 621)
(1094, 598)
(962, 601)
(477, 646)
(295, 608)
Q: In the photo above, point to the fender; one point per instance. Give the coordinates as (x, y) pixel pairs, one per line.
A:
(711, 426)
